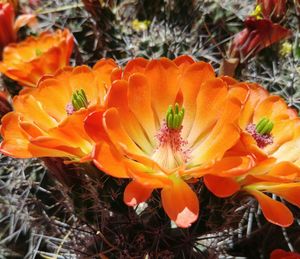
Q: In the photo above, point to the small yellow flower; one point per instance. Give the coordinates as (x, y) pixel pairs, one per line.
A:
(257, 12)
(140, 25)
(285, 49)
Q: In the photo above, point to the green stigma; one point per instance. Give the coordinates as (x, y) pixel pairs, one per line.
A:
(264, 126)
(174, 117)
(79, 100)
(38, 52)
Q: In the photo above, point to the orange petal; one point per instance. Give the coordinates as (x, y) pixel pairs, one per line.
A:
(103, 70)
(229, 80)
(136, 65)
(227, 167)
(190, 83)
(136, 193)
(70, 132)
(221, 136)
(147, 174)
(257, 94)
(117, 134)
(109, 160)
(273, 108)
(93, 126)
(162, 76)
(215, 145)
(246, 145)
(83, 78)
(31, 129)
(210, 99)
(282, 132)
(118, 98)
(284, 170)
(288, 191)
(57, 145)
(183, 62)
(50, 89)
(274, 211)
(139, 102)
(33, 111)
(16, 141)
(221, 186)
(180, 203)
(289, 151)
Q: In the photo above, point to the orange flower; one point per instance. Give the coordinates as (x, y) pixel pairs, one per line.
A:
(8, 26)
(271, 138)
(27, 61)
(48, 121)
(164, 120)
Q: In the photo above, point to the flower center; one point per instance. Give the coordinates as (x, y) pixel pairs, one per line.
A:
(38, 52)
(261, 132)
(79, 100)
(171, 151)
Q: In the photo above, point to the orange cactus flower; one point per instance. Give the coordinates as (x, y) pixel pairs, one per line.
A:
(258, 34)
(164, 120)
(9, 26)
(27, 61)
(48, 121)
(271, 137)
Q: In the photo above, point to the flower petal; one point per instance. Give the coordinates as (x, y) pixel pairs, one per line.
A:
(162, 78)
(274, 108)
(139, 102)
(221, 186)
(109, 160)
(16, 140)
(117, 98)
(93, 125)
(257, 94)
(288, 191)
(136, 65)
(210, 100)
(190, 83)
(147, 173)
(117, 134)
(274, 211)
(180, 203)
(136, 193)
(33, 111)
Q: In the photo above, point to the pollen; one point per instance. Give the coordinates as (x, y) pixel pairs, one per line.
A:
(262, 139)
(172, 150)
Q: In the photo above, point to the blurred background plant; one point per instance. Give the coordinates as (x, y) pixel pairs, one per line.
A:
(66, 213)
